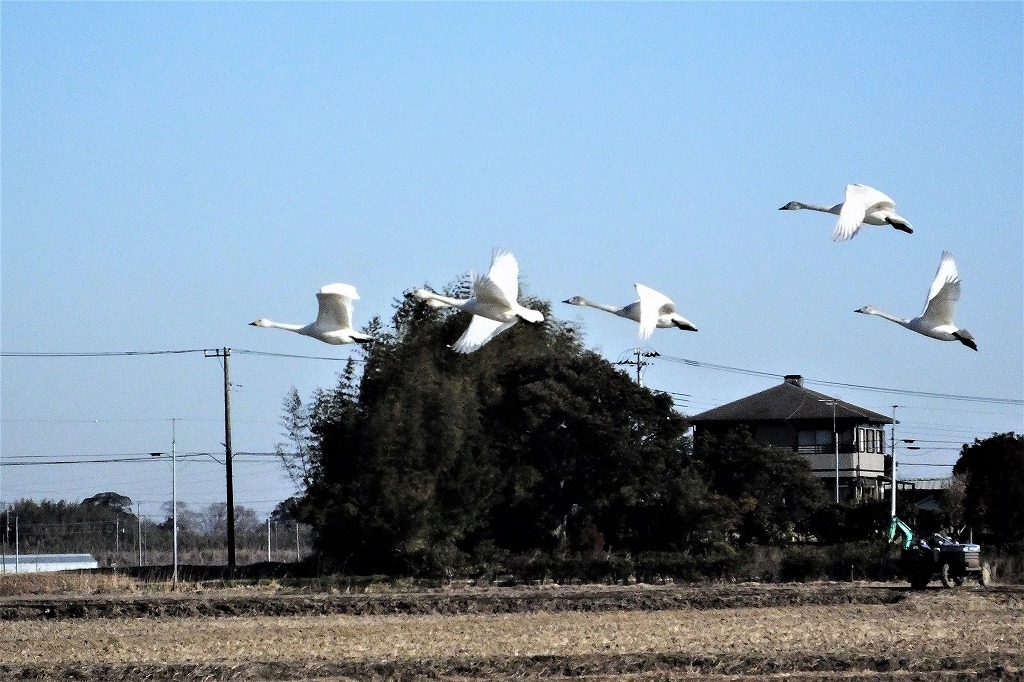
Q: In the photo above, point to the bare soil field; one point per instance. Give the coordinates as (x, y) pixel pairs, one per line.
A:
(823, 631)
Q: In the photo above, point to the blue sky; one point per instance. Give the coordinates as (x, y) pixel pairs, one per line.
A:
(172, 171)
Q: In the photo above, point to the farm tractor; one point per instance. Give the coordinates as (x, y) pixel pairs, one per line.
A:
(923, 559)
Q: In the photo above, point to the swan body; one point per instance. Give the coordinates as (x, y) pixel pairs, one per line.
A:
(653, 310)
(333, 322)
(937, 319)
(863, 205)
(494, 304)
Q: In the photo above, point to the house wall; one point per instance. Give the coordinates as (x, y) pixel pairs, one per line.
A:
(853, 464)
(861, 469)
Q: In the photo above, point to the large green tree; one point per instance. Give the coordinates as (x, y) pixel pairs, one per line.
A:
(775, 491)
(992, 500)
(587, 453)
(532, 442)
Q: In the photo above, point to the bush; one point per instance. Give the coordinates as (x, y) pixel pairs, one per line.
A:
(803, 563)
(1007, 562)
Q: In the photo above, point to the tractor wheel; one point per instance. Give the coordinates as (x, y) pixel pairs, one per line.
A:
(985, 577)
(920, 578)
(944, 576)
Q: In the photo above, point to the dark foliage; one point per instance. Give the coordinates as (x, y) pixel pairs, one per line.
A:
(435, 462)
(992, 499)
(774, 490)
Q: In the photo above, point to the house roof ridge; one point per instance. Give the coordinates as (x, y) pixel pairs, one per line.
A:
(785, 401)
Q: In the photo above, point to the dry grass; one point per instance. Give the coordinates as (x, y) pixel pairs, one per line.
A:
(66, 583)
(78, 583)
(927, 626)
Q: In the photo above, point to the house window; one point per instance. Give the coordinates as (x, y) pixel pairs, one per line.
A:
(871, 440)
(808, 438)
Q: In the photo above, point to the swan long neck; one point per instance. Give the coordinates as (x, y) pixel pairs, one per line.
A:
(824, 209)
(892, 318)
(602, 306)
(438, 299)
(283, 325)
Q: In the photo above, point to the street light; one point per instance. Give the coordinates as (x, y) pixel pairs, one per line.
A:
(174, 500)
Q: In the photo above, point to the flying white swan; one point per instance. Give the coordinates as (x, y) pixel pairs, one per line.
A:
(863, 204)
(333, 322)
(937, 319)
(494, 304)
(654, 309)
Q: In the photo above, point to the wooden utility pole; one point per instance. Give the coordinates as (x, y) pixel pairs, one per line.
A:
(226, 353)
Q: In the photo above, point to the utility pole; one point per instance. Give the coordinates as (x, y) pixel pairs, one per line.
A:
(226, 353)
(138, 516)
(174, 500)
(639, 363)
(892, 448)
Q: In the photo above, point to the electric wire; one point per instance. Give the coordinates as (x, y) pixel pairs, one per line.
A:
(840, 384)
(669, 358)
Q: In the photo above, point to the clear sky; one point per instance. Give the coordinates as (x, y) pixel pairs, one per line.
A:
(172, 171)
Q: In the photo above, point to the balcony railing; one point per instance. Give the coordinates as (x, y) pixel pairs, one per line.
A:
(844, 449)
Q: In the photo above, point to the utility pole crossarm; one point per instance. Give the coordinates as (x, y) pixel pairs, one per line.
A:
(639, 363)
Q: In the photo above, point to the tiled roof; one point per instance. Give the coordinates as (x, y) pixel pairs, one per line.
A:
(788, 400)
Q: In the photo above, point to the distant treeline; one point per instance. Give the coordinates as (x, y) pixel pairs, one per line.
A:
(106, 526)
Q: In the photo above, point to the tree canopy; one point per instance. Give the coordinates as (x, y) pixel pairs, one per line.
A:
(994, 473)
(774, 490)
(532, 442)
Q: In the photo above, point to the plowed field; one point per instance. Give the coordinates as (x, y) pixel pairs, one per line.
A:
(742, 632)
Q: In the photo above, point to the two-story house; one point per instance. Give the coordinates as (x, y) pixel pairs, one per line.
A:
(805, 421)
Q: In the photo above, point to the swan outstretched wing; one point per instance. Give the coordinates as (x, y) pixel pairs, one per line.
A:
(859, 200)
(335, 302)
(652, 305)
(503, 277)
(944, 292)
(480, 331)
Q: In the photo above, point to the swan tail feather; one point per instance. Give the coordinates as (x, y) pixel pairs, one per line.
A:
(534, 316)
(902, 226)
(966, 338)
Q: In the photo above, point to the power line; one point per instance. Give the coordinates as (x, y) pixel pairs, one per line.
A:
(839, 384)
(685, 361)
(17, 460)
(100, 354)
(7, 463)
(133, 353)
